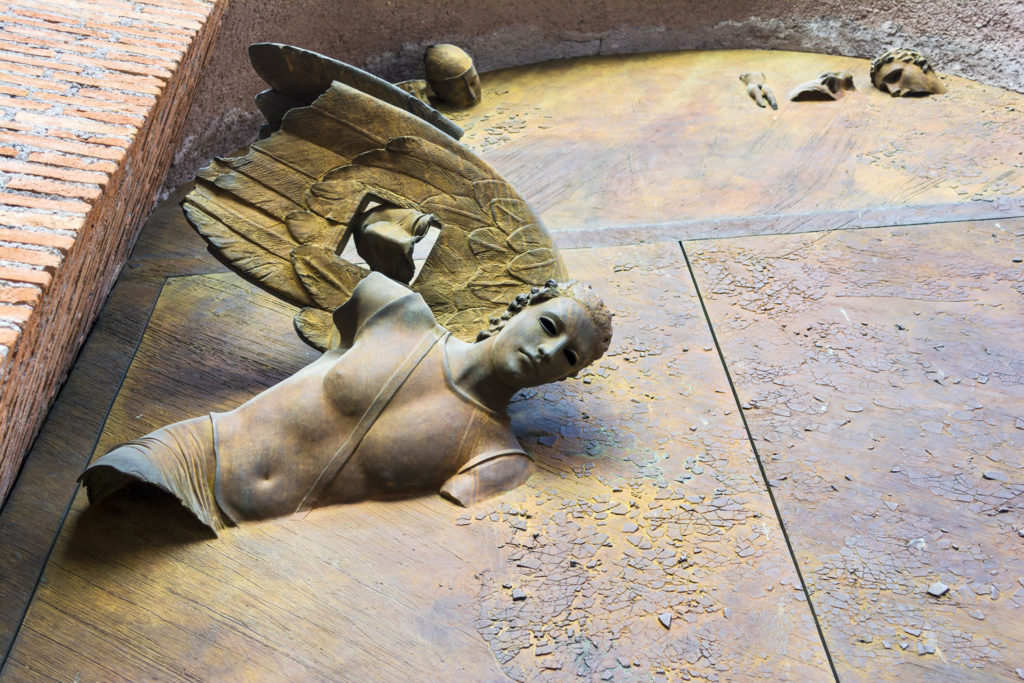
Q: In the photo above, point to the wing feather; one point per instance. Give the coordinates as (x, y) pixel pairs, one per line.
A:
(302, 75)
(299, 154)
(266, 171)
(327, 277)
(256, 226)
(280, 213)
(316, 327)
(250, 259)
(257, 195)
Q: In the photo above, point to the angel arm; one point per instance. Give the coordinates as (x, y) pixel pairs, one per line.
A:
(482, 479)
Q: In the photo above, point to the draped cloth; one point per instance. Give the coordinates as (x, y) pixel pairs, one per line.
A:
(179, 459)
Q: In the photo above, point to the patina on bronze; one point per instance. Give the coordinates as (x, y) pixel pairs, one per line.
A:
(905, 72)
(385, 237)
(418, 88)
(280, 213)
(451, 75)
(831, 85)
(758, 89)
(398, 407)
(398, 401)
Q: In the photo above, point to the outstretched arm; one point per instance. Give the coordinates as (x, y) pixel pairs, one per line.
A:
(491, 477)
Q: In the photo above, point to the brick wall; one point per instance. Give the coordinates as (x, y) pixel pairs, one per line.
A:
(93, 96)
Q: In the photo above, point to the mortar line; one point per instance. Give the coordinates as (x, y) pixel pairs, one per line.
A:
(760, 464)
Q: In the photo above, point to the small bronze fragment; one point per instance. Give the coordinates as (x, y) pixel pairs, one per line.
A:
(451, 75)
(831, 85)
(758, 89)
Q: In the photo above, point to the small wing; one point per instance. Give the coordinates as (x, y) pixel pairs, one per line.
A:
(297, 77)
(280, 214)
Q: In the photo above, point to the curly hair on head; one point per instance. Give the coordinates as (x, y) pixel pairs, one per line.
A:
(903, 54)
(578, 291)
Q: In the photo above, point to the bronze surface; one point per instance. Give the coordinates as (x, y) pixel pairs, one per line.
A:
(643, 507)
(280, 213)
(593, 187)
(882, 378)
(660, 138)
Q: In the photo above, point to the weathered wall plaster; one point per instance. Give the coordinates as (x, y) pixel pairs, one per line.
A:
(982, 40)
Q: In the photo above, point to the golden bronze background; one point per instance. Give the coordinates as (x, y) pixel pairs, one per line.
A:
(652, 165)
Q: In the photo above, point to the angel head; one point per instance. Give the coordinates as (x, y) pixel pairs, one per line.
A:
(905, 72)
(548, 334)
(451, 75)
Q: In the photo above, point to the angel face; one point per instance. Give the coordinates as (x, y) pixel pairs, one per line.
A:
(451, 75)
(461, 91)
(544, 343)
(905, 72)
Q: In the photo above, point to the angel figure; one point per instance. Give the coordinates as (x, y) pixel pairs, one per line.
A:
(409, 396)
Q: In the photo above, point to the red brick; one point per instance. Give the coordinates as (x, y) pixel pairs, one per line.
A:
(91, 138)
(34, 83)
(41, 220)
(25, 49)
(9, 337)
(33, 42)
(54, 187)
(133, 84)
(163, 17)
(112, 12)
(30, 275)
(83, 148)
(126, 67)
(23, 103)
(146, 101)
(31, 202)
(114, 118)
(165, 61)
(14, 125)
(168, 35)
(105, 105)
(17, 314)
(45, 63)
(194, 12)
(178, 47)
(105, 8)
(19, 295)
(46, 171)
(39, 238)
(74, 124)
(14, 92)
(23, 11)
(30, 257)
(11, 67)
(72, 162)
(197, 6)
(53, 30)
(169, 57)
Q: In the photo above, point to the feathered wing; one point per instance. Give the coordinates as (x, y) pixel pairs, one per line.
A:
(280, 214)
(297, 77)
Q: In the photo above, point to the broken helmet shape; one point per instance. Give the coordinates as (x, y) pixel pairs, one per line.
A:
(451, 75)
(904, 72)
(831, 85)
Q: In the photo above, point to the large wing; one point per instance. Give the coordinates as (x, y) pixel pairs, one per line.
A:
(280, 214)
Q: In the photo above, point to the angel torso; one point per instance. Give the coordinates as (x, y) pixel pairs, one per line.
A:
(378, 418)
